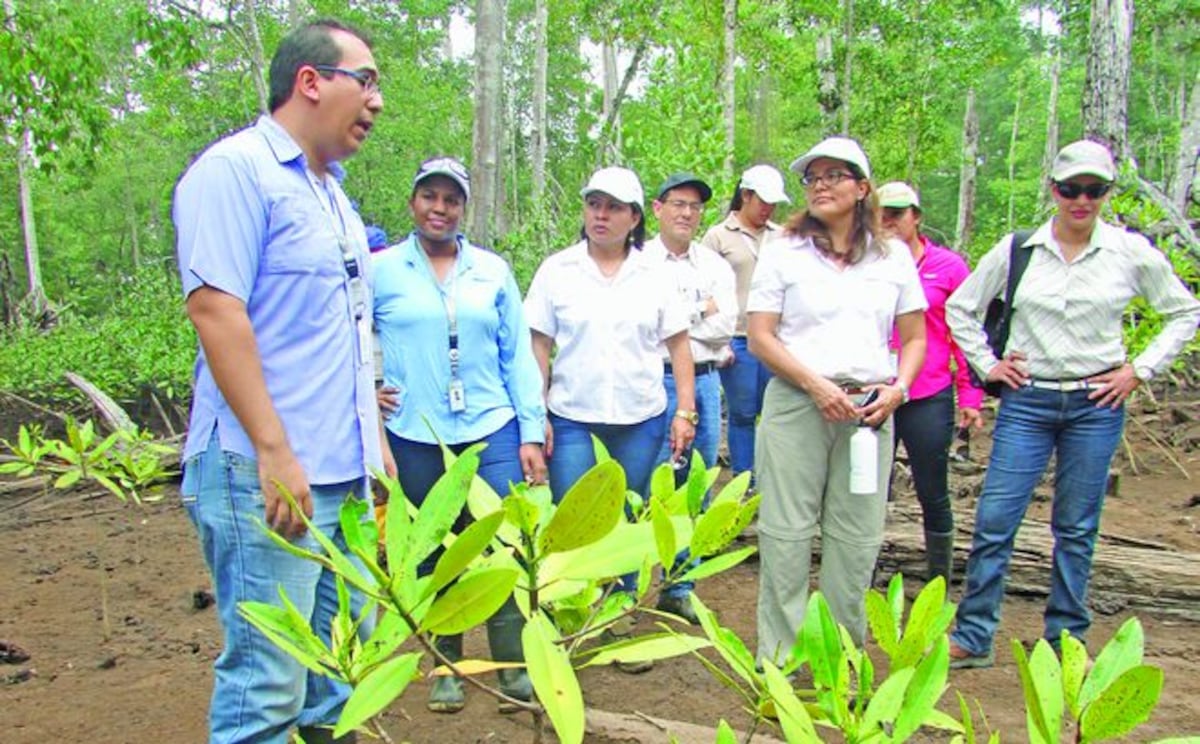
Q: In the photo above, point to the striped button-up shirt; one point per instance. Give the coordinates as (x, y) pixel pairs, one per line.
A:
(1067, 317)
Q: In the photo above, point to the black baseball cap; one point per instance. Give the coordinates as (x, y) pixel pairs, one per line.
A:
(684, 178)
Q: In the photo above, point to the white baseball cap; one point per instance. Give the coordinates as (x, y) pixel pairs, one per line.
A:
(1083, 157)
(445, 166)
(898, 195)
(621, 184)
(766, 182)
(836, 148)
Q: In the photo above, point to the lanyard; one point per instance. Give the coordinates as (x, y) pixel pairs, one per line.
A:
(356, 287)
(449, 302)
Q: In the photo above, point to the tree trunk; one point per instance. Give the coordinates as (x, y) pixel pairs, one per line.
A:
(848, 36)
(1012, 154)
(295, 13)
(1189, 146)
(762, 149)
(1051, 128)
(612, 106)
(489, 54)
(728, 87)
(1106, 86)
(131, 221)
(827, 83)
(258, 65)
(966, 180)
(541, 20)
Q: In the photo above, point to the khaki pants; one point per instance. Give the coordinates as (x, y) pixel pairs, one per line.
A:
(803, 467)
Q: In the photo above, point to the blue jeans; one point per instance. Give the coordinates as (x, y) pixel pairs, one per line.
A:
(708, 431)
(744, 382)
(634, 446)
(259, 691)
(1031, 424)
(419, 465)
(926, 427)
(708, 436)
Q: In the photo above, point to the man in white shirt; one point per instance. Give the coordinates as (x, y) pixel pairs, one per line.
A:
(706, 285)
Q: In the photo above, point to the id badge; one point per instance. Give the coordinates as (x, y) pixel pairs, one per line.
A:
(366, 344)
(458, 396)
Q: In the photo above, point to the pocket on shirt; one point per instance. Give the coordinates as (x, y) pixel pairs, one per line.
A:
(299, 240)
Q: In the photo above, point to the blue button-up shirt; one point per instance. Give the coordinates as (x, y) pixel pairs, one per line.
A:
(252, 221)
(497, 368)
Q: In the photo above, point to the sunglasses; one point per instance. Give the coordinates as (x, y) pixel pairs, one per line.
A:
(1072, 190)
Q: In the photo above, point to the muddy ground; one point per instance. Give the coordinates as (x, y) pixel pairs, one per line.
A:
(101, 596)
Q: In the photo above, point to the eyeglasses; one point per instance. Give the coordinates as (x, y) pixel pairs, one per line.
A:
(830, 178)
(685, 206)
(369, 81)
(1072, 190)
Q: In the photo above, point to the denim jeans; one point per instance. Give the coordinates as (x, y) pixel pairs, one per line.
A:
(419, 465)
(744, 382)
(1031, 424)
(634, 446)
(708, 431)
(259, 691)
(708, 436)
(926, 427)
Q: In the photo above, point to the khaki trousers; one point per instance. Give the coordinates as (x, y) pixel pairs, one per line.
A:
(803, 467)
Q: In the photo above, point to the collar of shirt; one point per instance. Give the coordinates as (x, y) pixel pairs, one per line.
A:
(656, 248)
(734, 224)
(636, 261)
(1103, 236)
(414, 254)
(286, 148)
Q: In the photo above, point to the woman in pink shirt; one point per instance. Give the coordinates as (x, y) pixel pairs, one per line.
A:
(926, 422)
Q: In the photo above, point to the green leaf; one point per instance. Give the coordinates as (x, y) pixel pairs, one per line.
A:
(927, 608)
(793, 717)
(469, 546)
(391, 630)
(924, 691)
(715, 529)
(885, 703)
(68, 479)
(1046, 672)
(697, 484)
(1037, 729)
(717, 564)
(1122, 652)
(822, 642)
(442, 506)
(377, 690)
(1122, 705)
(553, 678)
(881, 622)
(727, 643)
(968, 722)
(351, 516)
(650, 647)
(289, 630)
(725, 733)
(662, 489)
(664, 532)
(1074, 668)
(475, 598)
(588, 512)
(733, 490)
(622, 551)
(600, 451)
(895, 598)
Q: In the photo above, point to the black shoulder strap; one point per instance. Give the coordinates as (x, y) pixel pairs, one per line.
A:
(1018, 259)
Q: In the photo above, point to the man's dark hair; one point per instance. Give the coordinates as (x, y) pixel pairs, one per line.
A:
(310, 44)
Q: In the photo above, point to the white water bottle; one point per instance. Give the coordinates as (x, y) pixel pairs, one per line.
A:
(864, 461)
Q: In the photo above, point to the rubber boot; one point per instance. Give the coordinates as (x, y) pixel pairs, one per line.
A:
(447, 694)
(939, 554)
(504, 639)
(322, 735)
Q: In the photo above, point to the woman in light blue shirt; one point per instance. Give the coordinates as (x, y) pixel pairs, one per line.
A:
(457, 366)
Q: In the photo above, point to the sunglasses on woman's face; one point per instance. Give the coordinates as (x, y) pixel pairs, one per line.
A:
(1072, 190)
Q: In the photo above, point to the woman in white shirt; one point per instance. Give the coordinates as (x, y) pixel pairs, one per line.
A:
(822, 306)
(1067, 376)
(605, 306)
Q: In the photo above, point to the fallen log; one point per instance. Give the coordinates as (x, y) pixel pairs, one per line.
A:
(1124, 576)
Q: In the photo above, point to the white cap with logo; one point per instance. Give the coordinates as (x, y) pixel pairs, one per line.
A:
(1083, 158)
(898, 195)
(766, 182)
(835, 148)
(621, 184)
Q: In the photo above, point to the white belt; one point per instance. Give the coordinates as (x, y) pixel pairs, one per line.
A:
(1062, 386)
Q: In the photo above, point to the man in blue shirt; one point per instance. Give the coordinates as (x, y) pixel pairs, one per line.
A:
(274, 265)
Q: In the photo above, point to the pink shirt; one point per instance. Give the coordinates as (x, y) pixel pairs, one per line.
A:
(941, 270)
